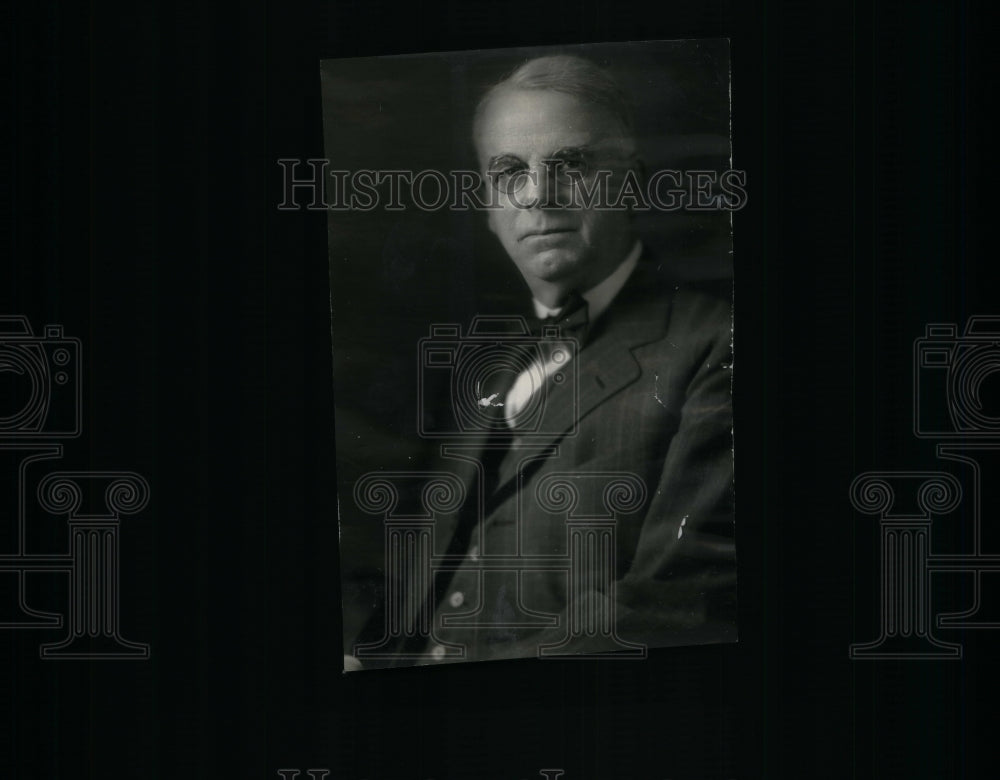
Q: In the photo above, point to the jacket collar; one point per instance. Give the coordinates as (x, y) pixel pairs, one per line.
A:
(604, 366)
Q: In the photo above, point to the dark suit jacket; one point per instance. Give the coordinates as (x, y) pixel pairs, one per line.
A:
(653, 401)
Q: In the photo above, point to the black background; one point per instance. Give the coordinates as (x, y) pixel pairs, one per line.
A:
(140, 187)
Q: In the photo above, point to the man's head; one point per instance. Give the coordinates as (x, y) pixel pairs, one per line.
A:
(553, 122)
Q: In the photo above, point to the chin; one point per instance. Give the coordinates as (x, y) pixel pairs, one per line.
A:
(554, 265)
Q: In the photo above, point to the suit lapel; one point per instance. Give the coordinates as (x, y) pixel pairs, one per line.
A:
(606, 364)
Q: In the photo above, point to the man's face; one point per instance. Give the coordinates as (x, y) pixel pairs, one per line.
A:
(555, 247)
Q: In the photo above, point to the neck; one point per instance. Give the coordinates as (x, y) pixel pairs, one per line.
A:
(554, 293)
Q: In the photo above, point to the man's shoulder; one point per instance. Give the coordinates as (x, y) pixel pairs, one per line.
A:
(702, 305)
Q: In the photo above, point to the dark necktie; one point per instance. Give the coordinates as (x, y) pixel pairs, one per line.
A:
(573, 320)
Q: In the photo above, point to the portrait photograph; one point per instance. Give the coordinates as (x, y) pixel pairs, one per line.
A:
(532, 273)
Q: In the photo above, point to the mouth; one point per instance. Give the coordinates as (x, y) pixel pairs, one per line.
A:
(546, 232)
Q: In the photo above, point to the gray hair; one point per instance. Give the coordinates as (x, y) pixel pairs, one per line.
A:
(570, 75)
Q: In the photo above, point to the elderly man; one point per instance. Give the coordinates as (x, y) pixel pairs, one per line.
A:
(648, 410)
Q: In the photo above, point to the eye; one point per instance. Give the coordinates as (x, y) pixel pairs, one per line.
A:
(506, 167)
(572, 163)
(569, 162)
(507, 173)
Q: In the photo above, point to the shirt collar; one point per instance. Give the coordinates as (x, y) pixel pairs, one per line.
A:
(599, 296)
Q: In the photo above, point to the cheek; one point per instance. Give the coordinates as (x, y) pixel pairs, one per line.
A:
(501, 223)
(590, 226)
(599, 225)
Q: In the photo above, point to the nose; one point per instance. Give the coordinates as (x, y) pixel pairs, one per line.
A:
(541, 189)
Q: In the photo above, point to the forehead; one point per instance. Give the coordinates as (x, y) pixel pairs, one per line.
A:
(532, 123)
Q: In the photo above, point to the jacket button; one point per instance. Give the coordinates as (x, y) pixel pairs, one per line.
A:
(456, 599)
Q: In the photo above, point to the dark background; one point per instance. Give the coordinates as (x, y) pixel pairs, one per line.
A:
(139, 189)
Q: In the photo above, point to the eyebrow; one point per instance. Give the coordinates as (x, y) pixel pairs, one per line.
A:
(561, 152)
(504, 158)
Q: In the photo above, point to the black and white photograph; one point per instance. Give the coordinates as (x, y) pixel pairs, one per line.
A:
(531, 274)
(468, 389)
